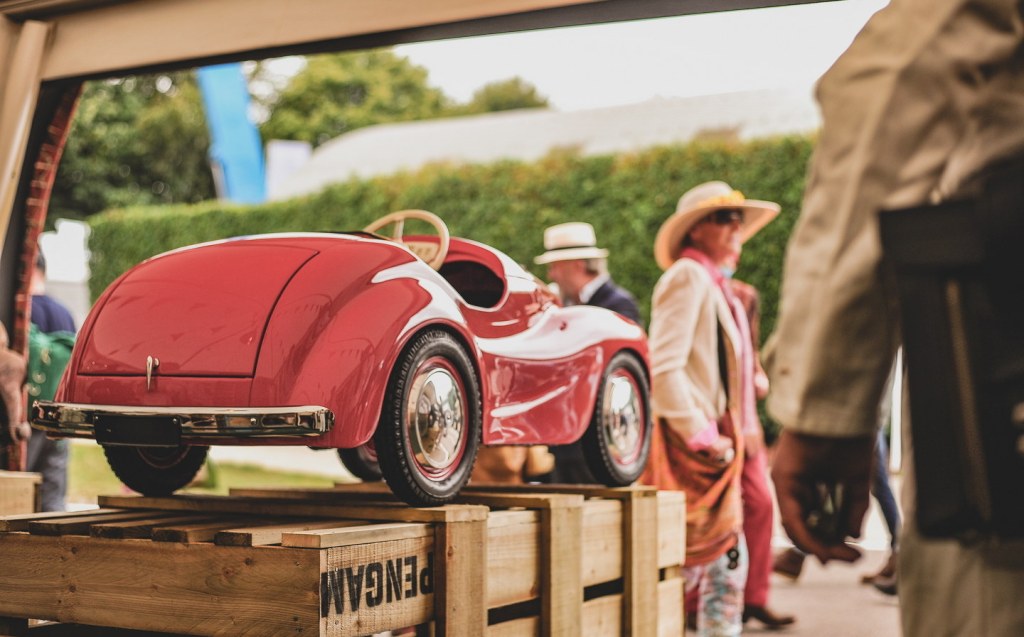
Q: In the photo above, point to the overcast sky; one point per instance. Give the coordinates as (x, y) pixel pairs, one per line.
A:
(602, 65)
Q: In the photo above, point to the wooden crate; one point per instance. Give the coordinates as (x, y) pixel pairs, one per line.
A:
(352, 561)
(19, 492)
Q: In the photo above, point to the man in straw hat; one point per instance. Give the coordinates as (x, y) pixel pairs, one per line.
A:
(697, 325)
(580, 270)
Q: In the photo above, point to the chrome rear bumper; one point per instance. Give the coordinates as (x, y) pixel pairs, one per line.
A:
(72, 420)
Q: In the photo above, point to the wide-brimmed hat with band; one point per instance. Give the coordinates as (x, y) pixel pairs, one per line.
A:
(569, 241)
(696, 204)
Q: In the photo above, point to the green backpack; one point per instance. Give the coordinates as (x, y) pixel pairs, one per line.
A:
(48, 355)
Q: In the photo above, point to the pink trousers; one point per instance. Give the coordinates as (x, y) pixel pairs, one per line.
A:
(757, 526)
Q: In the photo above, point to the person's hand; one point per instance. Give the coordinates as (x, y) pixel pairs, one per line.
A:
(19, 431)
(813, 474)
(761, 384)
(721, 450)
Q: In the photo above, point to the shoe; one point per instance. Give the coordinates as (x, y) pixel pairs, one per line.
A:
(887, 585)
(691, 620)
(789, 563)
(770, 620)
(888, 571)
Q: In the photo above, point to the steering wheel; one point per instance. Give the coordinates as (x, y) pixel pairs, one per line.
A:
(432, 253)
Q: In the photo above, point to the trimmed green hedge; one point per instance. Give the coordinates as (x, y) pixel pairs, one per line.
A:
(507, 205)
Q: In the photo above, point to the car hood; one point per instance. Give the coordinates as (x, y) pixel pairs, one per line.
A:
(199, 312)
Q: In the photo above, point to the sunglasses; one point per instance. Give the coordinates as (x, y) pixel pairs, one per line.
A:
(725, 216)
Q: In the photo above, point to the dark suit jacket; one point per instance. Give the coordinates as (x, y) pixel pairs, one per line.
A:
(615, 298)
(50, 316)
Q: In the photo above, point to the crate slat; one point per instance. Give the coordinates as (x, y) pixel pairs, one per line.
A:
(141, 528)
(21, 521)
(355, 533)
(671, 528)
(379, 495)
(513, 558)
(277, 506)
(79, 524)
(199, 589)
(272, 534)
(203, 531)
(603, 617)
(370, 588)
(602, 535)
(515, 628)
(671, 618)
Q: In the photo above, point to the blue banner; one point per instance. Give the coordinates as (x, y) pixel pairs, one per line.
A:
(235, 147)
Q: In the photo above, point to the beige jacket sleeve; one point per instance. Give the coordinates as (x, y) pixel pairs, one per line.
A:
(930, 91)
(686, 387)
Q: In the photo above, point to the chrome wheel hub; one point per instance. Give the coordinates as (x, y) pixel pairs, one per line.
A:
(622, 417)
(436, 420)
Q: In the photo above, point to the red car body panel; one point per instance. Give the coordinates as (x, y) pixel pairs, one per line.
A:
(166, 392)
(318, 319)
(202, 313)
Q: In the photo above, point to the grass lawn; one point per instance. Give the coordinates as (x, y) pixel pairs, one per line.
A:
(90, 476)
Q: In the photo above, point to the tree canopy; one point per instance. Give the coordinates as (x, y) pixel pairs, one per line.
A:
(505, 95)
(341, 92)
(134, 141)
(143, 140)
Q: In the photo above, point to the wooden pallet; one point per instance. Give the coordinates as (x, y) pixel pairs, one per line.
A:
(503, 562)
(19, 492)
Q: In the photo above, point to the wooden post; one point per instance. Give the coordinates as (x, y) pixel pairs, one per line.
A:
(561, 520)
(562, 582)
(460, 595)
(640, 550)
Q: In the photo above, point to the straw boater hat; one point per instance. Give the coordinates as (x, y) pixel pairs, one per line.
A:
(697, 203)
(569, 241)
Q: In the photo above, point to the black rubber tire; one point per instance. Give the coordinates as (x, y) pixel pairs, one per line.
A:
(361, 462)
(408, 478)
(598, 447)
(156, 471)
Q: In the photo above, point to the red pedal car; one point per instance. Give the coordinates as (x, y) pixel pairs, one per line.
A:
(403, 353)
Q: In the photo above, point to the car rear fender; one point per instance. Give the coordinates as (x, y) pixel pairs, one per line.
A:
(337, 332)
(66, 388)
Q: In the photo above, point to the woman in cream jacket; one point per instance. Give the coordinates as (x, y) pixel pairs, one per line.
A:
(702, 374)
